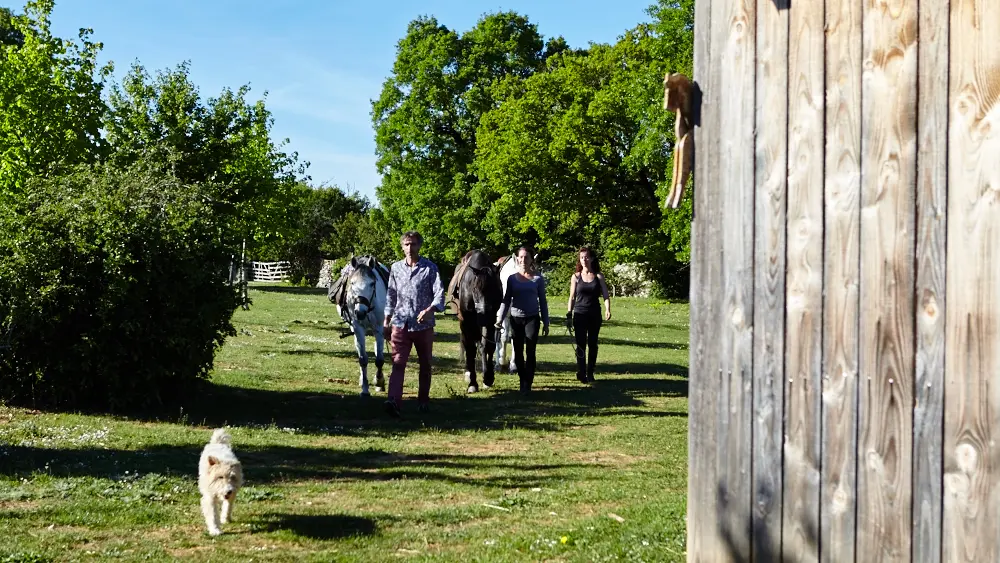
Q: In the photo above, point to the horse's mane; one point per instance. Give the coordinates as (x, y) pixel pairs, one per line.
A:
(381, 269)
(477, 261)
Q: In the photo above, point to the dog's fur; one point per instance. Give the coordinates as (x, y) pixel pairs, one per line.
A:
(220, 476)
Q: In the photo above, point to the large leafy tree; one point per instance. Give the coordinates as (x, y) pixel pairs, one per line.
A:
(580, 154)
(427, 116)
(223, 141)
(50, 97)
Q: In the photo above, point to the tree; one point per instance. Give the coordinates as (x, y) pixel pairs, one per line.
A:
(224, 141)
(578, 154)
(581, 153)
(426, 120)
(9, 34)
(317, 214)
(50, 98)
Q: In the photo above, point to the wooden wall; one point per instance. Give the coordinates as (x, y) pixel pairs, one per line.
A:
(845, 304)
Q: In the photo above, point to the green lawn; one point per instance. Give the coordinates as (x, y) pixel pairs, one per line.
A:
(571, 473)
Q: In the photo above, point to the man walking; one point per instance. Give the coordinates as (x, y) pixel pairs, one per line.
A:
(414, 294)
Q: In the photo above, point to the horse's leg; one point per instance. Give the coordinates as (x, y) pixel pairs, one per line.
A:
(379, 359)
(489, 347)
(501, 351)
(468, 345)
(359, 346)
(508, 337)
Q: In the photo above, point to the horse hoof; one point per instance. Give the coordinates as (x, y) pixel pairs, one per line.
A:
(473, 389)
(365, 394)
(379, 389)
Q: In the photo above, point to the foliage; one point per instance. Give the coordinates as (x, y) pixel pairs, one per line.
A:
(222, 142)
(318, 215)
(581, 154)
(363, 232)
(9, 34)
(565, 148)
(50, 98)
(113, 289)
(566, 155)
(426, 122)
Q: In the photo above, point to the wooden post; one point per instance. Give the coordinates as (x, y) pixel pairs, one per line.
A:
(972, 349)
(842, 191)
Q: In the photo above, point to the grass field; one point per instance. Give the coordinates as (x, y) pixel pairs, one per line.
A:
(570, 473)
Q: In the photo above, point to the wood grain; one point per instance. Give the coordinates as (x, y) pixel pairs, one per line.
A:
(703, 543)
(971, 529)
(769, 278)
(842, 190)
(888, 185)
(804, 284)
(932, 193)
(736, 183)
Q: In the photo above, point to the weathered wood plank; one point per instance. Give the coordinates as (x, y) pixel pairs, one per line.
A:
(842, 188)
(888, 185)
(734, 30)
(932, 193)
(804, 284)
(769, 278)
(702, 537)
(972, 341)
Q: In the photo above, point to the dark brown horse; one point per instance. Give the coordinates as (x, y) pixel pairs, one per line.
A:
(476, 293)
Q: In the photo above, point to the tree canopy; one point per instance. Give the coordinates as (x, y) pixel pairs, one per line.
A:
(495, 137)
(427, 117)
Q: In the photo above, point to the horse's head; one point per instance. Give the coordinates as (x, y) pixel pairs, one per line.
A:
(362, 285)
(480, 287)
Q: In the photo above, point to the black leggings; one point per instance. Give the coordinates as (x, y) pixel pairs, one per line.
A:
(586, 327)
(524, 331)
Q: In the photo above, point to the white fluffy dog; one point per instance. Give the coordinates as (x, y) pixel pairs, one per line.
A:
(220, 476)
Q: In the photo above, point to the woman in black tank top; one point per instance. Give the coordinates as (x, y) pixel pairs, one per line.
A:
(586, 288)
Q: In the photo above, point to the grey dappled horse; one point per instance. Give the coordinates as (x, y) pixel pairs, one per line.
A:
(476, 290)
(507, 266)
(363, 308)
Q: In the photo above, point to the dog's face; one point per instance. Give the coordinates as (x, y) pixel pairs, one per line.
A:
(224, 478)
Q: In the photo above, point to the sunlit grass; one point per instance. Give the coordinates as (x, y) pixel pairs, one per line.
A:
(572, 473)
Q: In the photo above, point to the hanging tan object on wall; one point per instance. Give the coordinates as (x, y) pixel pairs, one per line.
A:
(677, 94)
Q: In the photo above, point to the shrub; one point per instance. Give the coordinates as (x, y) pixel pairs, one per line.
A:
(630, 279)
(114, 290)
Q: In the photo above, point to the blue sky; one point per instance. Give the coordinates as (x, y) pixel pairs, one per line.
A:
(319, 62)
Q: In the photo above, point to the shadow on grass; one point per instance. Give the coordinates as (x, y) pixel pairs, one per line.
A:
(317, 526)
(493, 409)
(563, 338)
(347, 413)
(289, 289)
(275, 464)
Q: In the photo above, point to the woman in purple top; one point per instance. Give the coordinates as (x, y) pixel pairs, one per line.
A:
(526, 303)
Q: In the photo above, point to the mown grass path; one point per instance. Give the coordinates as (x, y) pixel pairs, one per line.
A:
(571, 473)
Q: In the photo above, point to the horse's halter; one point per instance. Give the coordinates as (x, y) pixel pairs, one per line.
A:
(366, 301)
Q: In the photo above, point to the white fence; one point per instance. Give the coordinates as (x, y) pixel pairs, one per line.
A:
(270, 271)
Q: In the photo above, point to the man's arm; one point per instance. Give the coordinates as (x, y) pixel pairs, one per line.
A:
(390, 296)
(438, 289)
